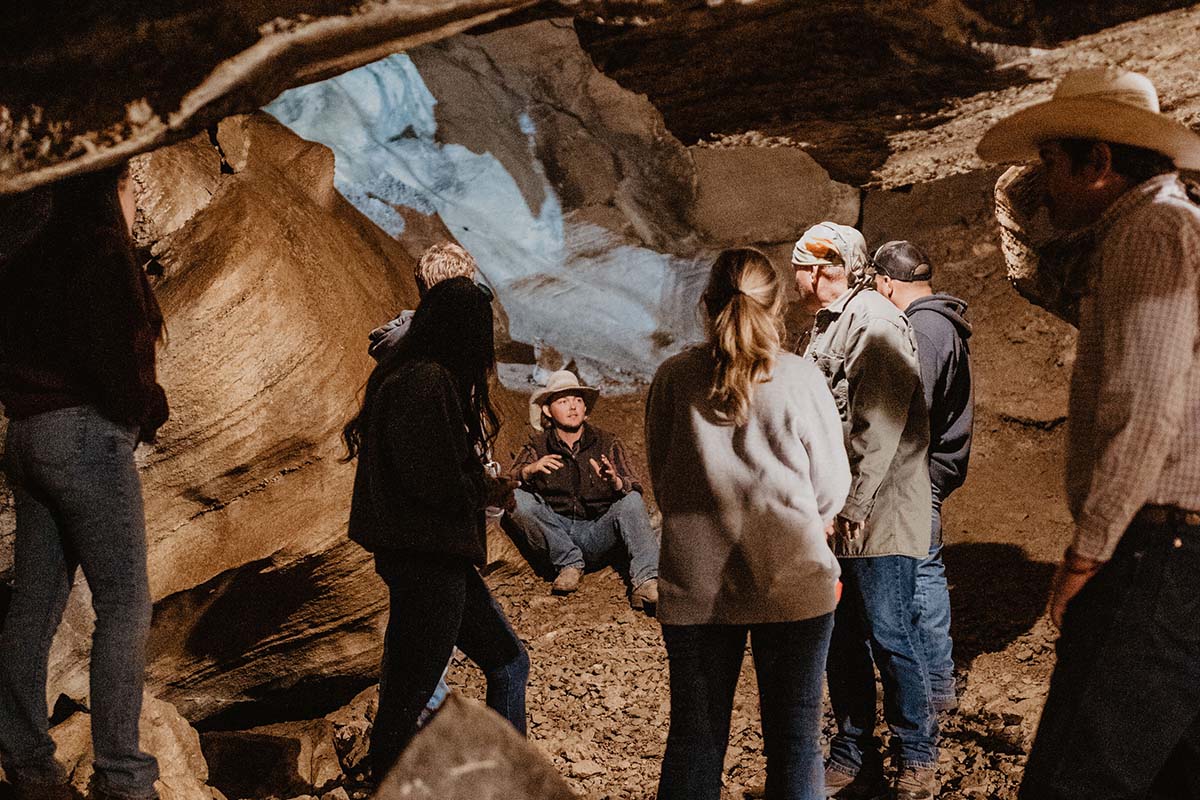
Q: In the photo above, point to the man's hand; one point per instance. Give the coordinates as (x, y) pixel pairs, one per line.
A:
(544, 465)
(500, 492)
(846, 532)
(608, 472)
(1072, 574)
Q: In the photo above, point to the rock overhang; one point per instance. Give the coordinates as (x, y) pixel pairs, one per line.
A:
(882, 93)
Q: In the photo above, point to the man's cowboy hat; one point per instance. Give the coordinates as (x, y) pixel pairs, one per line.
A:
(562, 382)
(1108, 105)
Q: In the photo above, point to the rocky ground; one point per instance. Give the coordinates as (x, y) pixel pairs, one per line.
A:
(598, 696)
(598, 689)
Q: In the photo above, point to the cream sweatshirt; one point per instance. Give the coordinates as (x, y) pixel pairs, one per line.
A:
(745, 507)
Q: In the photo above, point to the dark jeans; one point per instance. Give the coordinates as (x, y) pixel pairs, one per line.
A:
(876, 618)
(1123, 716)
(586, 542)
(932, 604)
(79, 504)
(436, 603)
(705, 661)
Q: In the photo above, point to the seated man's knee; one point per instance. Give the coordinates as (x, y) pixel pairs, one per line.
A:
(630, 504)
(525, 502)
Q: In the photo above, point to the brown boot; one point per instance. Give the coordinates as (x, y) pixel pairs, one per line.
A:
(914, 783)
(645, 596)
(567, 580)
(43, 791)
(866, 784)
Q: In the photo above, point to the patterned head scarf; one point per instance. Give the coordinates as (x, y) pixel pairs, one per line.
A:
(826, 239)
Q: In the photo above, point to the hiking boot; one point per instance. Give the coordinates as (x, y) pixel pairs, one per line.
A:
(567, 580)
(866, 784)
(945, 705)
(40, 791)
(646, 594)
(97, 791)
(915, 783)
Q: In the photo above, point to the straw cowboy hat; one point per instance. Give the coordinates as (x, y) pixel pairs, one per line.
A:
(1108, 105)
(562, 382)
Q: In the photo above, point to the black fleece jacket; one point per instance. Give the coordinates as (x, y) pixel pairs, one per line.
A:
(419, 485)
(942, 333)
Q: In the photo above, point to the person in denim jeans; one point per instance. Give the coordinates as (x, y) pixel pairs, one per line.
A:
(420, 490)
(77, 380)
(578, 500)
(904, 275)
(866, 350)
(746, 455)
(1122, 718)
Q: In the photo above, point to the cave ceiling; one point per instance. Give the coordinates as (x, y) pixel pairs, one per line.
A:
(882, 92)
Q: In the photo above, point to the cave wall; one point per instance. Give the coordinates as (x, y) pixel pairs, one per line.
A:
(278, 255)
(565, 186)
(595, 223)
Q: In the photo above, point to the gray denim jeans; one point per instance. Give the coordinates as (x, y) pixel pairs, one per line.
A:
(79, 505)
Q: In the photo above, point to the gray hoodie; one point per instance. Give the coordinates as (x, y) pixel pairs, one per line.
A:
(942, 332)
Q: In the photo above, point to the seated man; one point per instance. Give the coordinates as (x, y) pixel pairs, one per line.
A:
(578, 499)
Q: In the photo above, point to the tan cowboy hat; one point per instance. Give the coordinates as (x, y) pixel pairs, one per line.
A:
(562, 382)
(1108, 105)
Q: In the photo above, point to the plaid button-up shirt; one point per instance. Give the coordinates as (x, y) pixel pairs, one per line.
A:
(1134, 422)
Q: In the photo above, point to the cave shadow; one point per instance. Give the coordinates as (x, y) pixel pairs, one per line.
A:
(841, 80)
(5, 601)
(259, 596)
(996, 594)
(1042, 23)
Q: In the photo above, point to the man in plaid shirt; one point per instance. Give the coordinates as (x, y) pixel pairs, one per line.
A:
(1122, 719)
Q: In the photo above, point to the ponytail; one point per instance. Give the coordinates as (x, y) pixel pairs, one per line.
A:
(743, 300)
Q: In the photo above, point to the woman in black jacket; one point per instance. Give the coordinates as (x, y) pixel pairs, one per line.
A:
(419, 496)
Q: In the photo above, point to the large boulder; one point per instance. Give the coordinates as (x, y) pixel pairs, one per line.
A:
(282, 760)
(183, 771)
(469, 752)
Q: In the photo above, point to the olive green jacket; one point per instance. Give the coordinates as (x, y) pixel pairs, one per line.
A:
(867, 351)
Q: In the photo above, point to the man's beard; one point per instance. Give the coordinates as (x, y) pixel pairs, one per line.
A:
(567, 428)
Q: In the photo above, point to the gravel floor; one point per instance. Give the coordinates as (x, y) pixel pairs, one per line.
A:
(599, 710)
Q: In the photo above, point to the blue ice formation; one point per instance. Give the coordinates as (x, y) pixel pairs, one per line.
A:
(617, 308)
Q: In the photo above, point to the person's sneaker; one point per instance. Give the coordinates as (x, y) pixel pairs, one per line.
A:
(567, 580)
(866, 784)
(915, 783)
(646, 594)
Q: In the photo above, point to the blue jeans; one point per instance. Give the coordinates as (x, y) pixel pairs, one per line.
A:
(436, 603)
(587, 542)
(1122, 719)
(875, 618)
(78, 501)
(705, 661)
(932, 603)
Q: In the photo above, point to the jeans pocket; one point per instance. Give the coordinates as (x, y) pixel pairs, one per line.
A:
(1178, 607)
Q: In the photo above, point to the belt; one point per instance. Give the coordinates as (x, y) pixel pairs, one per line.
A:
(1168, 516)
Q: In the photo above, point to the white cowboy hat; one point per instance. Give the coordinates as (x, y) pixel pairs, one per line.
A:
(562, 382)
(1108, 105)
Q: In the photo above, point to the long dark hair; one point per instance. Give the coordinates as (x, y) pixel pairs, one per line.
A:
(453, 328)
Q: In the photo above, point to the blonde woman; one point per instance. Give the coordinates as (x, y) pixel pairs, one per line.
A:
(749, 468)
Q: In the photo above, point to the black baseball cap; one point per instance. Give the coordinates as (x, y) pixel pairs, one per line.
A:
(902, 261)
